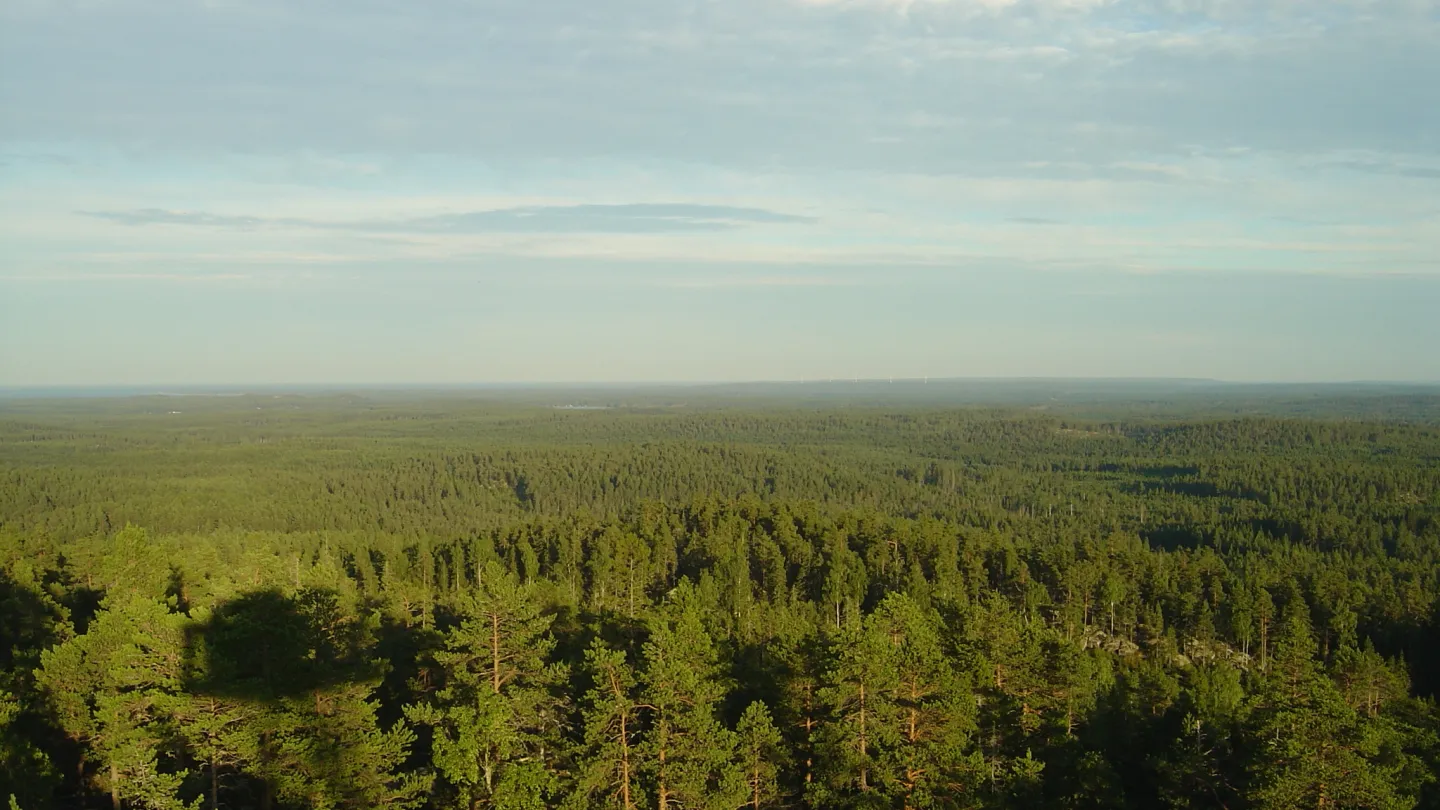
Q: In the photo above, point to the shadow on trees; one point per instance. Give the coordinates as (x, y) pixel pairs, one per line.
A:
(288, 670)
(30, 621)
(1177, 480)
(266, 646)
(1173, 537)
(574, 630)
(1189, 489)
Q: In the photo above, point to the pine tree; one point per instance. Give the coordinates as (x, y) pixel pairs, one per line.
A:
(689, 754)
(930, 761)
(493, 718)
(301, 668)
(217, 730)
(761, 750)
(134, 564)
(619, 570)
(607, 760)
(328, 751)
(1314, 750)
(31, 620)
(801, 709)
(110, 688)
(859, 694)
(1199, 767)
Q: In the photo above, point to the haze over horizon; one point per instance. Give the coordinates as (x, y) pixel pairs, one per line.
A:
(282, 193)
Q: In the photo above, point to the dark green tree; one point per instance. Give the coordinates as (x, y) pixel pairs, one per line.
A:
(1313, 749)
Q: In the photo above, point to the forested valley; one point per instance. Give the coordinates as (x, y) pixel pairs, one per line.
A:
(288, 602)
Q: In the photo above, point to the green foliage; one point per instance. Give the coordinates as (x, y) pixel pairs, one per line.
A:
(110, 687)
(1314, 749)
(494, 719)
(689, 755)
(607, 759)
(363, 604)
(761, 753)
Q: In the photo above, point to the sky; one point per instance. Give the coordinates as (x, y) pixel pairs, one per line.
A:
(454, 191)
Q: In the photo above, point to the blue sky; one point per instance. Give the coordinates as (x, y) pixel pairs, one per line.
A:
(299, 191)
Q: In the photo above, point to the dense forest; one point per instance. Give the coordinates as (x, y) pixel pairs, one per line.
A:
(466, 602)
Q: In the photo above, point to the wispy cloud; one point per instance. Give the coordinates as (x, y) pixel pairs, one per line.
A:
(630, 218)
(159, 216)
(742, 282)
(184, 278)
(1389, 168)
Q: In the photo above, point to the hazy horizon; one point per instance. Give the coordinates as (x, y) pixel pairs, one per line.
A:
(875, 384)
(437, 193)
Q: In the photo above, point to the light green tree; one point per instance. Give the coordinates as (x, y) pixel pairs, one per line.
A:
(111, 687)
(689, 754)
(859, 695)
(606, 760)
(493, 718)
(930, 759)
(761, 750)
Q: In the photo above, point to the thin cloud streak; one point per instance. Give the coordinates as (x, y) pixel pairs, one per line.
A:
(187, 278)
(741, 282)
(628, 218)
(1391, 169)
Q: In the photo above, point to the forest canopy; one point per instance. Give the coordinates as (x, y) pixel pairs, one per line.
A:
(326, 601)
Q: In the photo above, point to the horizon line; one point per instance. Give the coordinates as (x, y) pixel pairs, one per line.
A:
(164, 388)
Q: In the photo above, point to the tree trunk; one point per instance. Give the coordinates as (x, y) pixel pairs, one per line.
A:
(625, 765)
(267, 792)
(114, 787)
(495, 652)
(914, 698)
(662, 793)
(809, 761)
(214, 785)
(627, 802)
(1264, 642)
(864, 772)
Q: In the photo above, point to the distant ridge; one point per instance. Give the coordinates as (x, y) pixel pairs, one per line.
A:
(1087, 383)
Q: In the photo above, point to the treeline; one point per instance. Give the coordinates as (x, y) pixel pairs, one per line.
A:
(444, 475)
